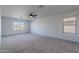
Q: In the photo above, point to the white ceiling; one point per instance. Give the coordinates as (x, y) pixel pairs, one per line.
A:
(23, 10)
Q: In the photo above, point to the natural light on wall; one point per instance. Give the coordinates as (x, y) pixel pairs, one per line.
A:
(69, 24)
(18, 26)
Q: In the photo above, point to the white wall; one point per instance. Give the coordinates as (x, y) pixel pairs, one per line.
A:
(52, 26)
(7, 26)
(0, 28)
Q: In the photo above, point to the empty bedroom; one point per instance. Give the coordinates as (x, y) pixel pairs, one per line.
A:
(39, 29)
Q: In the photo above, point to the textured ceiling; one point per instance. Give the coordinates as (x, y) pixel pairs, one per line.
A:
(20, 11)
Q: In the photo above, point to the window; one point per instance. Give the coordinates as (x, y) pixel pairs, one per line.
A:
(18, 26)
(21, 25)
(69, 24)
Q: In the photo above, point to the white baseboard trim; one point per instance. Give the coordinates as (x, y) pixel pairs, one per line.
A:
(4, 51)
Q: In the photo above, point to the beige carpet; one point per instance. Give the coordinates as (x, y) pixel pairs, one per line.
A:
(31, 43)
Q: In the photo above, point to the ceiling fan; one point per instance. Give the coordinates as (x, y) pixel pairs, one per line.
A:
(33, 15)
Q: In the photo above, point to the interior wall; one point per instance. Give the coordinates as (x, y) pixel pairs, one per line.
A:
(0, 28)
(52, 26)
(7, 26)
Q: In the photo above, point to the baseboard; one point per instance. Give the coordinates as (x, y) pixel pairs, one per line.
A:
(4, 51)
(14, 34)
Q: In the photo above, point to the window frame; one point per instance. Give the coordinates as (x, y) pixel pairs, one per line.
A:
(14, 26)
(63, 24)
(19, 26)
